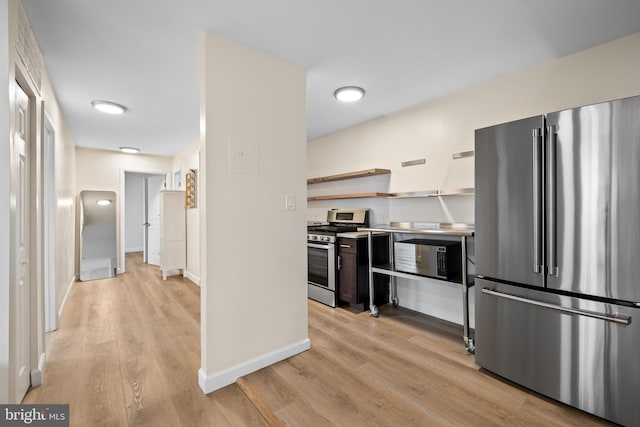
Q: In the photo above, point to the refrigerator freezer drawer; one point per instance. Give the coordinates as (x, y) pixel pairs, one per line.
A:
(580, 352)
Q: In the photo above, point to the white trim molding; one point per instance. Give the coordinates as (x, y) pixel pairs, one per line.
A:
(36, 374)
(217, 380)
(195, 279)
(66, 296)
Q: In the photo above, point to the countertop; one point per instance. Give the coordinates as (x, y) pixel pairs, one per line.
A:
(357, 234)
(443, 229)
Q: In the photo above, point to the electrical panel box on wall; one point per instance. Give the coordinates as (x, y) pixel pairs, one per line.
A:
(244, 157)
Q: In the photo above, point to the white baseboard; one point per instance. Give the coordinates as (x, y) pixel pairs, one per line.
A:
(36, 374)
(195, 279)
(66, 296)
(140, 249)
(217, 380)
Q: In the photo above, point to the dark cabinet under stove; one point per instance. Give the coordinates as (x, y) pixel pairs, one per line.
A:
(353, 271)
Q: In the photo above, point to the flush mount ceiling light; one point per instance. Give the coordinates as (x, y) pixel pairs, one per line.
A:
(349, 94)
(103, 202)
(130, 150)
(108, 107)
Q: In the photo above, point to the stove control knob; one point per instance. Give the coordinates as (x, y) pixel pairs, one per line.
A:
(326, 239)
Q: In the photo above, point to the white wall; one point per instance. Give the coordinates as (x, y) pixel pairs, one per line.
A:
(5, 194)
(189, 158)
(436, 129)
(65, 190)
(254, 291)
(104, 170)
(36, 81)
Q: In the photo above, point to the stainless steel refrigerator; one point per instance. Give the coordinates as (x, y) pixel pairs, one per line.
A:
(558, 256)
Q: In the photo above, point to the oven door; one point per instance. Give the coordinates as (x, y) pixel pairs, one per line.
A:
(321, 265)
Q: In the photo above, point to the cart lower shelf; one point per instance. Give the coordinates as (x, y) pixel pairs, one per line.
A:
(389, 271)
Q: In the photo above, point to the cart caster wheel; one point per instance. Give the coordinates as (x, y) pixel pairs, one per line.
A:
(470, 346)
(395, 301)
(374, 311)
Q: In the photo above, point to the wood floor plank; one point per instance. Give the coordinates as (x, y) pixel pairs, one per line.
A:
(230, 407)
(144, 393)
(102, 402)
(387, 377)
(225, 407)
(258, 402)
(320, 394)
(270, 383)
(127, 353)
(298, 414)
(376, 401)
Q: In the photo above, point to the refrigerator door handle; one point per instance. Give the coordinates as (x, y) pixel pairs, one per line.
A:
(614, 318)
(552, 261)
(537, 201)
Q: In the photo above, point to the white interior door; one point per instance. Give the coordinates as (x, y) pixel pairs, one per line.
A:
(155, 184)
(19, 364)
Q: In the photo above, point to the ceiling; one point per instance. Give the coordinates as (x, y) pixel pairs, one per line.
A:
(144, 54)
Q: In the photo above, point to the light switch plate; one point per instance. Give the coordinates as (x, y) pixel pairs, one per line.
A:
(290, 202)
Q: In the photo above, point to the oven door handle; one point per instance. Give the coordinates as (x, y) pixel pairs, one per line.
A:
(315, 246)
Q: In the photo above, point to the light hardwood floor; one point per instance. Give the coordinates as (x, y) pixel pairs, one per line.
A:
(128, 351)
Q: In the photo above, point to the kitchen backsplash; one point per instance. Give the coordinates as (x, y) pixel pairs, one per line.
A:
(458, 209)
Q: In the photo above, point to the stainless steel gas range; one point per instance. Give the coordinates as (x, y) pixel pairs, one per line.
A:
(322, 254)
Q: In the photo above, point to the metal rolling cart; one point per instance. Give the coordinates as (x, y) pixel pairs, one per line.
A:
(426, 230)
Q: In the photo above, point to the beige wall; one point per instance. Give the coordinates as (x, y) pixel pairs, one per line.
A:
(189, 158)
(436, 129)
(104, 170)
(5, 199)
(65, 185)
(254, 296)
(34, 79)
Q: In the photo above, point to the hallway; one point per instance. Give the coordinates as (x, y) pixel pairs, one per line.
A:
(128, 352)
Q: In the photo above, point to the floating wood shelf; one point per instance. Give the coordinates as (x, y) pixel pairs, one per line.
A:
(463, 154)
(434, 193)
(349, 175)
(409, 195)
(348, 196)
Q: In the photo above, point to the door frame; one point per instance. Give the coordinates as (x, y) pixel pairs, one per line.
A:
(22, 252)
(36, 333)
(49, 207)
(147, 217)
(121, 217)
